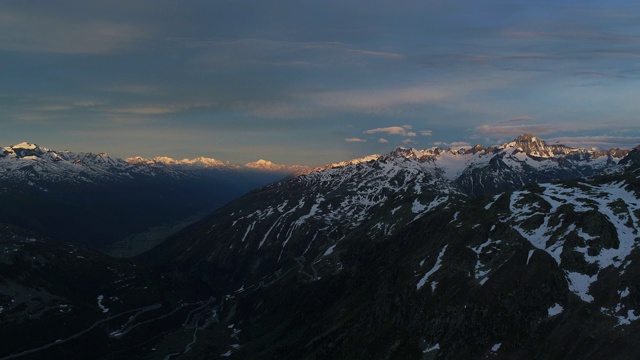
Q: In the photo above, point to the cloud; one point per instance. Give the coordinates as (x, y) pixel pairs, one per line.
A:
(36, 33)
(217, 53)
(381, 101)
(426, 132)
(383, 141)
(517, 120)
(149, 110)
(161, 109)
(378, 54)
(408, 141)
(453, 145)
(459, 144)
(393, 130)
(350, 140)
(136, 89)
(275, 109)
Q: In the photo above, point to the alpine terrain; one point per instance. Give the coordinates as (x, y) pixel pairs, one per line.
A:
(96, 199)
(519, 251)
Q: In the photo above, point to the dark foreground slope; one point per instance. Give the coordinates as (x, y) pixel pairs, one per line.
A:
(64, 301)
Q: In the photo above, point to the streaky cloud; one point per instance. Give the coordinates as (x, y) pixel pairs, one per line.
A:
(519, 119)
(392, 130)
(356, 140)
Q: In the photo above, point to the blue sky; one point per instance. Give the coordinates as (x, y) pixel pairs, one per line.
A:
(312, 82)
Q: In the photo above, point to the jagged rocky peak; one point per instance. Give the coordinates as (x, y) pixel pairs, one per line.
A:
(536, 147)
(474, 150)
(406, 152)
(533, 146)
(632, 158)
(529, 138)
(365, 159)
(412, 153)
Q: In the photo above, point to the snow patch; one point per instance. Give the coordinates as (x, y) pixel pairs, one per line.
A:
(555, 310)
(529, 256)
(248, 230)
(24, 145)
(435, 268)
(430, 349)
(626, 320)
(100, 305)
(489, 205)
(329, 250)
(417, 207)
(496, 347)
(579, 284)
(624, 293)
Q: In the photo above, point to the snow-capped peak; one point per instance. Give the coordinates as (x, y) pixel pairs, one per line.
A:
(205, 162)
(536, 147)
(266, 165)
(354, 161)
(25, 145)
(165, 160)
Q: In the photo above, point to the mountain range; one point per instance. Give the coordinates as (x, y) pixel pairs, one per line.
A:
(523, 250)
(29, 163)
(97, 200)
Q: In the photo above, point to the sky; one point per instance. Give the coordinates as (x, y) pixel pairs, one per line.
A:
(314, 82)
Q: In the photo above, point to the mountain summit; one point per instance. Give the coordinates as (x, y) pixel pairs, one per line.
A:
(534, 146)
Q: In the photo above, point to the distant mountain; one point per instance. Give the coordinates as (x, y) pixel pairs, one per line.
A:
(267, 165)
(31, 164)
(429, 253)
(96, 199)
(204, 162)
(163, 160)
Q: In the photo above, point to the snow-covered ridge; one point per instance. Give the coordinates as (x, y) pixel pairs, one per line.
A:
(30, 164)
(266, 165)
(164, 160)
(471, 170)
(477, 169)
(205, 162)
(351, 162)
